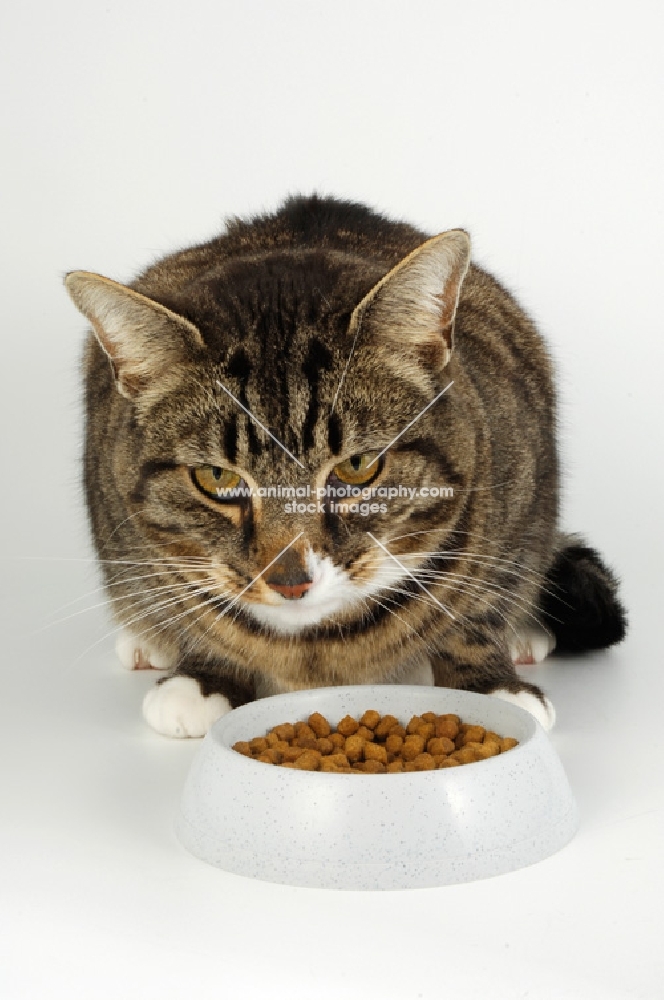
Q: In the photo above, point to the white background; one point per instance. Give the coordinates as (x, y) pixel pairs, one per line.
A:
(130, 129)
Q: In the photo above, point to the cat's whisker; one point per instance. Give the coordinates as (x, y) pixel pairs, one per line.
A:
(464, 554)
(206, 604)
(161, 606)
(252, 582)
(132, 599)
(406, 570)
(119, 525)
(418, 597)
(477, 588)
(158, 627)
(434, 574)
(120, 582)
(471, 534)
(409, 626)
(506, 567)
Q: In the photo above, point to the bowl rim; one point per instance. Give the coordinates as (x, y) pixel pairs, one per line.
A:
(217, 730)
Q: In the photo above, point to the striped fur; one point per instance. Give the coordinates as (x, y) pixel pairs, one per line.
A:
(316, 322)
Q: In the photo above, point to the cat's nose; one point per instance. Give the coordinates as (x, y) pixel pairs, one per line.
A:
(288, 576)
(291, 591)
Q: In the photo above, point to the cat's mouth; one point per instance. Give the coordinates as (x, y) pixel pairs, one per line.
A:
(332, 591)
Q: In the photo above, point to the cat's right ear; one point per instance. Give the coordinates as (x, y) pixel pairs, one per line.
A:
(412, 309)
(145, 342)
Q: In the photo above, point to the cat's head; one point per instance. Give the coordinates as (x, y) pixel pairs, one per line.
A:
(306, 372)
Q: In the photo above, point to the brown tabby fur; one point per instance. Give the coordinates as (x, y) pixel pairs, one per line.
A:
(270, 307)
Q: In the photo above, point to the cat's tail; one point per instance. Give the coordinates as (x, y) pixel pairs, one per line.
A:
(579, 602)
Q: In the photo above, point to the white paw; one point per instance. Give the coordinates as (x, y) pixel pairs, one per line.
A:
(137, 654)
(176, 707)
(545, 715)
(531, 645)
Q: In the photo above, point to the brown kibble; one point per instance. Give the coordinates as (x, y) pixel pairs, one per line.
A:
(285, 731)
(507, 743)
(440, 745)
(385, 726)
(306, 742)
(482, 751)
(339, 759)
(426, 731)
(472, 734)
(372, 766)
(412, 745)
(447, 728)
(308, 761)
(424, 762)
(375, 751)
(370, 719)
(348, 726)
(393, 743)
(353, 748)
(319, 724)
(335, 764)
(382, 746)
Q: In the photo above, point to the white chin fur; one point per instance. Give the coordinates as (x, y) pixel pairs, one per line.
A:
(330, 593)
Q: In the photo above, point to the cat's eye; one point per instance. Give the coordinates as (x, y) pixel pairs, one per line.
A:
(358, 470)
(215, 481)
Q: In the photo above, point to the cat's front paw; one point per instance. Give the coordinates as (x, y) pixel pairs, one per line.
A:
(543, 711)
(176, 707)
(138, 654)
(530, 645)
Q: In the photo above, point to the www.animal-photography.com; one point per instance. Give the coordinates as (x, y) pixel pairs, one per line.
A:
(332, 647)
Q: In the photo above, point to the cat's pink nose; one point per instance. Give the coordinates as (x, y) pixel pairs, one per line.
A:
(290, 591)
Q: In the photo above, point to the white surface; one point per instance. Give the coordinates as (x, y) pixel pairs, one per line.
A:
(331, 831)
(130, 129)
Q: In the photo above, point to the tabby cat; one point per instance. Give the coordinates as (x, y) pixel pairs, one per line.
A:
(320, 449)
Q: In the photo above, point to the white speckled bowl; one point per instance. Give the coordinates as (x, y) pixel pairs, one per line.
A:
(382, 831)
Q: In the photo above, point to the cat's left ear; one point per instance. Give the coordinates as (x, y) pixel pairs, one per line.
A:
(414, 306)
(145, 342)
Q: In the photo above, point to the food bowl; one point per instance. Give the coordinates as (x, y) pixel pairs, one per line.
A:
(376, 831)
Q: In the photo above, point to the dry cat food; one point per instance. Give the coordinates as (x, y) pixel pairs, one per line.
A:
(375, 744)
